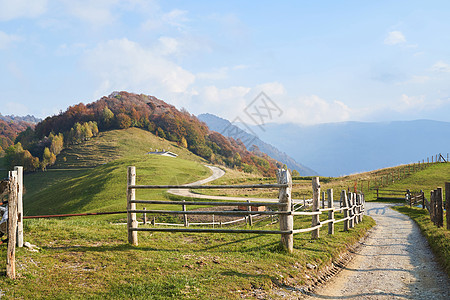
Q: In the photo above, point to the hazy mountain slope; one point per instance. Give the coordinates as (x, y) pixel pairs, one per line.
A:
(335, 149)
(223, 126)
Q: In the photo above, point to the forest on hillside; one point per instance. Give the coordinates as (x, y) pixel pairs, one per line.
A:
(37, 148)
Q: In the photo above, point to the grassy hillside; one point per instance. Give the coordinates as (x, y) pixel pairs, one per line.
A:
(114, 144)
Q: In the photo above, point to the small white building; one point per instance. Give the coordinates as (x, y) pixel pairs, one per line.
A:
(163, 153)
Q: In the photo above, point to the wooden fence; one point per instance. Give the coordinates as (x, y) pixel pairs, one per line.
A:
(353, 209)
(14, 210)
(391, 194)
(435, 205)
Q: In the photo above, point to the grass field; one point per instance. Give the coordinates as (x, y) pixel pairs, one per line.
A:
(89, 258)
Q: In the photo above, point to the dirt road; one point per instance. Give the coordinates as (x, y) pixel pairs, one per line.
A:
(394, 262)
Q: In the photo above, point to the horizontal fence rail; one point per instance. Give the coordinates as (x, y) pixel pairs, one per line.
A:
(352, 206)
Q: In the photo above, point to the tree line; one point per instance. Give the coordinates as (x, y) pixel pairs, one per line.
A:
(38, 147)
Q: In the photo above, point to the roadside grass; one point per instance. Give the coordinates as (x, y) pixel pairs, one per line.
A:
(90, 258)
(438, 238)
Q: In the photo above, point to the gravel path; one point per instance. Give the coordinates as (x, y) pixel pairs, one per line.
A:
(394, 262)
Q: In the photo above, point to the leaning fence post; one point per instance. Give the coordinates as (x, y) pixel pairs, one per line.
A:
(330, 212)
(286, 220)
(315, 234)
(439, 208)
(12, 225)
(131, 195)
(19, 171)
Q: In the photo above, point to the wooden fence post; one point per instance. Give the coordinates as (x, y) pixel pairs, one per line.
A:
(250, 219)
(286, 221)
(131, 195)
(447, 201)
(358, 208)
(12, 225)
(144, 217)
(345, 204)
(432, 207)
(185, 218)
(315, 234)
(19, 171)
(331, 212)
(439, 208)
(422, 195)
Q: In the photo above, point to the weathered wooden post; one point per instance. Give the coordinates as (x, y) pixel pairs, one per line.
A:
(19, 171)
(286, 220)
(315, 234)
(185, 218)
(422, 195)
(144, 217)
(408, 198)
(351, 201)
(323, 199)
(12, 225)
(439, 208)
(447, 201)
(131, 195)
(377, 194)
(358, 208)
(432, 207)
(330, 212)
(250, 219)
(345, 204)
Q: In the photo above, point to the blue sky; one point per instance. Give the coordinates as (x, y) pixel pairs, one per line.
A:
(319, 61)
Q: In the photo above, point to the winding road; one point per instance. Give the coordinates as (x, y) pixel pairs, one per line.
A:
(217, 173)
(394, 262)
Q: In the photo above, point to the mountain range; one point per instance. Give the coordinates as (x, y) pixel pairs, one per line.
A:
(253, 142)
(335, 149)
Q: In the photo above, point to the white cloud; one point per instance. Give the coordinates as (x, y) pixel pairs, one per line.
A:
(394, 38)
(98, 13)
(175, 18)
(313, 109)
(13, 9)
(441, 66)
(6, 40)
(126, 65)
(411, 102)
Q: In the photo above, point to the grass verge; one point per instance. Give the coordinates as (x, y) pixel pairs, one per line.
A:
(438, 238)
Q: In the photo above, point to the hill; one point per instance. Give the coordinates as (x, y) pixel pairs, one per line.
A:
(123, 110)
(225, 127)
(335, 149)
(9, 131)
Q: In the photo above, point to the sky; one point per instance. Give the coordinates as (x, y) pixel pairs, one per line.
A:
(314, 61)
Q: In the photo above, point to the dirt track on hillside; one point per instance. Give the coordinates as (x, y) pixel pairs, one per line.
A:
(394, 262)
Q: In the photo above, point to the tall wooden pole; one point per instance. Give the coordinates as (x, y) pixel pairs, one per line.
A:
(19, 171)
(315, 234)
(12, 226)
(131, 217)
(286, 221)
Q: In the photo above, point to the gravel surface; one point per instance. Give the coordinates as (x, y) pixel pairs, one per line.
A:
(394, 262)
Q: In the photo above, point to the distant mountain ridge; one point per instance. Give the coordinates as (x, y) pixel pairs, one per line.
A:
(226, 128)
(28, 119)
(335, 149)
